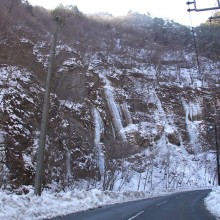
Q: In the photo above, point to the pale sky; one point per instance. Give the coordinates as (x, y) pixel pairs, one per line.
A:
(171, 9)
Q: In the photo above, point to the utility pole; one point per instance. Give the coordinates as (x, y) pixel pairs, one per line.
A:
(201, 9)
(216, 17)
(44, 120)
(217, 154)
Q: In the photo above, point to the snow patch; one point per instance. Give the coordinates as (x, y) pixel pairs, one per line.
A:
(212, 201)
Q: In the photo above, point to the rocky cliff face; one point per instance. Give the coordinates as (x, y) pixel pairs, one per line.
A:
(131, 114)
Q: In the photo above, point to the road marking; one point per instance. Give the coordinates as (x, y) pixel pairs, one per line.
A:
(136, 215)
(162, 202)
(179, 196)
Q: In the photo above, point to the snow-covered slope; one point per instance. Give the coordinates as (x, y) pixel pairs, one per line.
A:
(128, 110)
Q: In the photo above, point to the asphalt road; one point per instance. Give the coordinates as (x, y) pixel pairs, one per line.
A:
(178, 206)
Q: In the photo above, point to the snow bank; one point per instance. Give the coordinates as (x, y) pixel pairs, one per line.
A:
(51, 204)
(212, 202)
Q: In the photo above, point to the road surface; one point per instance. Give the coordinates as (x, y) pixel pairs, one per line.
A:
(178, 206)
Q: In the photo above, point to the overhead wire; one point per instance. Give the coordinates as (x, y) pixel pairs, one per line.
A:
(195, 42)
(211, 32)
(211, 41)
(195, 46)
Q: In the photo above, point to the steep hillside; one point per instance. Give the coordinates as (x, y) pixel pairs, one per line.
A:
(129, 107)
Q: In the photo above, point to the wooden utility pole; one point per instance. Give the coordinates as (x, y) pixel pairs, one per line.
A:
(44, 120)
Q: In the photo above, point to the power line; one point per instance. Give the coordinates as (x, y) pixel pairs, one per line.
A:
(195, 47)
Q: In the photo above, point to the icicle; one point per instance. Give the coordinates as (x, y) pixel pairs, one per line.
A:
(3, 168)
(126, 113)
(161, 112)
(113, 131)
(98, 147)
(68, 167)
(112, 105)
(191, 110)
